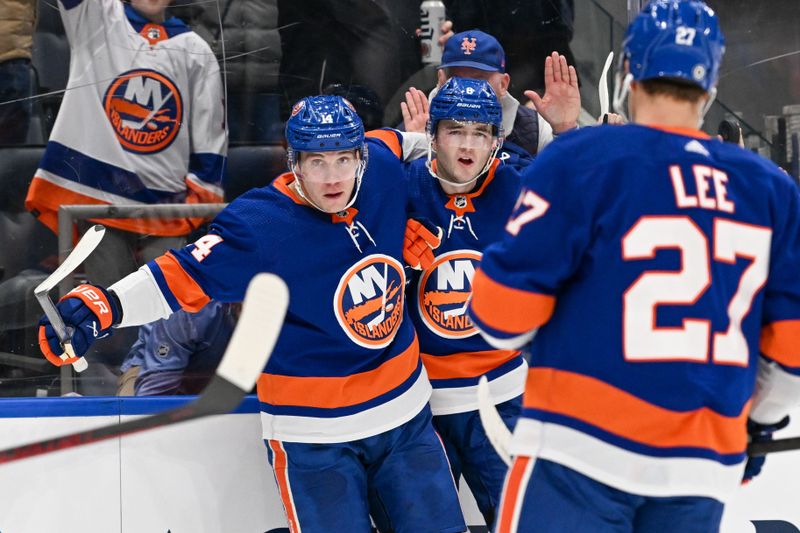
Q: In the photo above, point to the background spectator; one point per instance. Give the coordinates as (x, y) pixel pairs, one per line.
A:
(17, 20)
(178, 355)
(142, 122)
(529, 31)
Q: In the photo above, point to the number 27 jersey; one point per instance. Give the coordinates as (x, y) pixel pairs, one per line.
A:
(656, 265)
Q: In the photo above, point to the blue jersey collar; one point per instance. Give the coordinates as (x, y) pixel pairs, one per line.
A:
(173, 25)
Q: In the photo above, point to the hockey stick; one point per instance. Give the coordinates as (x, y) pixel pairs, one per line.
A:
(602, 88)
(245, 357)
(493, 424)
(772, 446)
(82, 250)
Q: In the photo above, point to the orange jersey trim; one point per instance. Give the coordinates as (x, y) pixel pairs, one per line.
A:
(199, 195)
(511, 494)
(466, 364)
(621, 413)
(333, 392)
(780, 341)
(389, 139)
(46, 197)
(688, 132)
(281, 468)
(506, 309)
(189, 294)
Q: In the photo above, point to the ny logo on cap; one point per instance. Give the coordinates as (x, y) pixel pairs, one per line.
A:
(468, 45)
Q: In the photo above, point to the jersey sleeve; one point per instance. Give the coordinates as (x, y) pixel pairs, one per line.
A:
(217, 266)
(209, 141)
(514, 291)
(82, 18)
(778, 384)
(406, 146)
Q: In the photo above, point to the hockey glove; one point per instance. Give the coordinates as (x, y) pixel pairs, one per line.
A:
(421, 239)
(760, 433)
(89, 311)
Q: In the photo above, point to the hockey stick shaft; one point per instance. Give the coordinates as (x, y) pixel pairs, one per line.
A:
(494, 427)
(772, 446)
(197, 409)
(245, 357)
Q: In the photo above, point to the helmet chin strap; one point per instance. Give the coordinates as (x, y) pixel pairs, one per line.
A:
(492, 156)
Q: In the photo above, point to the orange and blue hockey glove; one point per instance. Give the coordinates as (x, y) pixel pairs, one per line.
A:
(421, 239)
(760, 433)
(89, 312)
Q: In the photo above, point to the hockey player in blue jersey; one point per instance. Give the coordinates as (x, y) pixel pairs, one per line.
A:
(344, 398)
(655, 270)
(469, 192)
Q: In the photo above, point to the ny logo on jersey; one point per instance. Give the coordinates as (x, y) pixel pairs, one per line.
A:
(468, 45)
(444, 291)
(145, 110)
(368, 302)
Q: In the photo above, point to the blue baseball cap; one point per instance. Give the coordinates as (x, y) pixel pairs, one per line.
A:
(474, 49)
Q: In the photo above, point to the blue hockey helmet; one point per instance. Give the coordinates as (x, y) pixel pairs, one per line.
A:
(324, 124)
(675, 39)
(466, 100)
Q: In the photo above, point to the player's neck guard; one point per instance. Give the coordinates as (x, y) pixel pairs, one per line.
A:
(486, 167)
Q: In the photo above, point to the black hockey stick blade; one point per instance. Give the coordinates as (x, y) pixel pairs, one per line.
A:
(246, 356)
(772, 446)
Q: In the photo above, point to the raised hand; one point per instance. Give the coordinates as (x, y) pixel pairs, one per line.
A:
(415, 110)
(561, 103)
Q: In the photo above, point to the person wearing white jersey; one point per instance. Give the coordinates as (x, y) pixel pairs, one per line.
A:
(141, 122)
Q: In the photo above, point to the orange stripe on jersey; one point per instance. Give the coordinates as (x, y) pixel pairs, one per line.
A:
(465, 364)
(45, 197)
(506, 309)
(780, 341)
(332, 392)
(200, 195)
(621, 413)
(511, 501)
(389, 139)
(280, 466)
(189, 294)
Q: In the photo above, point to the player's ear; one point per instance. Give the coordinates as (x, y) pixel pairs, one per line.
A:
(503, 81)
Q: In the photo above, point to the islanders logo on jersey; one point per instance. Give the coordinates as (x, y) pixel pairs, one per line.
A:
(369, 300)
(145, 109)
(444, 291)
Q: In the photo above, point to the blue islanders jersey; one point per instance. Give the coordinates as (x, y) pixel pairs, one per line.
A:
(656, 264)
(346, 365)
(454, 353)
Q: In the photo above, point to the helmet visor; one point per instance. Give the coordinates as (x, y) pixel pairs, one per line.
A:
(328, 167)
